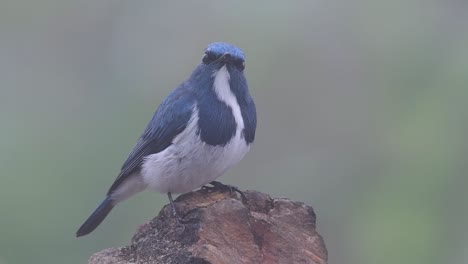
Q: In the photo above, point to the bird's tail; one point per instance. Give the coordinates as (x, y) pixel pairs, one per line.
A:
(96, 217)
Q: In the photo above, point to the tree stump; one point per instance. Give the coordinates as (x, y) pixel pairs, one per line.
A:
(225, 228)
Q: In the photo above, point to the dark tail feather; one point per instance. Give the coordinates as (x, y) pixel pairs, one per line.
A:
(95, 218)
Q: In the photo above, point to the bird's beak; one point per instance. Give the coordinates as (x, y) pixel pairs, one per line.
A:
(226, 57)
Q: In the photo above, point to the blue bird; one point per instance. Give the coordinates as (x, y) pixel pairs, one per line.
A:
(204, 127)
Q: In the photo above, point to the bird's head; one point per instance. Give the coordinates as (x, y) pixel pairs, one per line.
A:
(221, 53)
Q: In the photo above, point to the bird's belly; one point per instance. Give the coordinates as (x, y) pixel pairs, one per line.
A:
(185, 166)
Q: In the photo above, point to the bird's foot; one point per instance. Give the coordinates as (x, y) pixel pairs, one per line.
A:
(183, 221)
(180, 219)
(225, 188)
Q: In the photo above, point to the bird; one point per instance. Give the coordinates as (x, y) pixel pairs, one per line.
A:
(204, 127)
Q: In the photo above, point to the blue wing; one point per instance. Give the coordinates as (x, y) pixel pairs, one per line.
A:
(170, 119)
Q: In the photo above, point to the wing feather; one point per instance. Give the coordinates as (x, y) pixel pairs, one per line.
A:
(170, 119)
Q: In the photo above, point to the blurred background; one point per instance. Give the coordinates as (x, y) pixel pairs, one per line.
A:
(362, 109)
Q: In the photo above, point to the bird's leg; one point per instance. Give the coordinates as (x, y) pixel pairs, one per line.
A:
(176, 214)
(225, 187)
(174, 210)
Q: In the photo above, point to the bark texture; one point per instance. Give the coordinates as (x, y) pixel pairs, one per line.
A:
(225, 228)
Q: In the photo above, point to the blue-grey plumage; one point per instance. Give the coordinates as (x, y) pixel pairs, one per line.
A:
(204, 127)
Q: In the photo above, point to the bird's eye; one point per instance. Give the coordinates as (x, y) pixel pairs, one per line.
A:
(208, 57)
(205, 58)
(240, 64)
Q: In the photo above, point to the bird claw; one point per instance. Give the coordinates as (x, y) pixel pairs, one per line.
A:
(192, 220)
(207, 188)
(225, 188)
(177, 216)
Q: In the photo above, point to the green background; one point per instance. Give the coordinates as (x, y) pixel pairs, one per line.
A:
(362, 109)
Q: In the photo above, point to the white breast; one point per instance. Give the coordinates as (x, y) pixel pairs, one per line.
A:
(189, 163)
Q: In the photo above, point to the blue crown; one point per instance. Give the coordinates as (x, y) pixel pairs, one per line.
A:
(220, 48)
